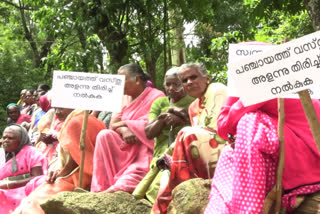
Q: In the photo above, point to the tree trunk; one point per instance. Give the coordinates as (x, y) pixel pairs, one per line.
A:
(151, 68)
(165, 21)
(112, 37)
(118, 50)
(28, 36)
(178, 45)
(117, 46)
(313, 7)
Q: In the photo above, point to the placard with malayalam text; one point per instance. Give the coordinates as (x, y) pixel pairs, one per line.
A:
(87, 91)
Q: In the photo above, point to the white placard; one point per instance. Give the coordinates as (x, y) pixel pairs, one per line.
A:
(87, 91)
(246, 49)
(279, 71)
(240, 51)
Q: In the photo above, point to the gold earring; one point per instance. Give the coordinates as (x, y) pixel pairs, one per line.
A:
(137, 83)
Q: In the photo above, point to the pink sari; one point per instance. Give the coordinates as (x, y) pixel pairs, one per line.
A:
(23, 118)
(120, 166)
(27, 158)
(246, 173)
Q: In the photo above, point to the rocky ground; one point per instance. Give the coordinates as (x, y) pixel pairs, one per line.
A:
(95, 203)
(190, 197)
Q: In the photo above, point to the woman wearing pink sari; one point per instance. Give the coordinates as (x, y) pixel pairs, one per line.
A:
(123, 152)
(246, 172)
(19, 174)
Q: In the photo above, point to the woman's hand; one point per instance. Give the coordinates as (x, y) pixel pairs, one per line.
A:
(48, 138)
(182, 113)
(170, 119)
(117, 125)
(52, 176)
(164, 162)
(127, 135)
(69, 166)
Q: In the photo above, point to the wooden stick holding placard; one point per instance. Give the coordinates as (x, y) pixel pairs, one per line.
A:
(281, 121)
(276, 192)
(311, 115)
(83, 145)
(315, 129)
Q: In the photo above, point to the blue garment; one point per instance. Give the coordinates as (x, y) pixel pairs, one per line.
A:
(38, 117)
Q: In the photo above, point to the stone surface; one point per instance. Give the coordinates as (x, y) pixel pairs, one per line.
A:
(190, 197)
(311, 205)
(95, 203)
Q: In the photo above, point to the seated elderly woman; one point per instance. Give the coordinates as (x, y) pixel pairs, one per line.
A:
(166, 117)
(22, 97)
(49, 128)
(67, 177)
(44, 107)
(246, 171)
(29, 103)
(23, 163)
(15, 116)
(197, 147)
(122, 154)
(42, 89)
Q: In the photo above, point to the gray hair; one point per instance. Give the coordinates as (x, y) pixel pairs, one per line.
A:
(199, 66)
(24, 140)
(22, 133)
(135, 70)
(172, 72)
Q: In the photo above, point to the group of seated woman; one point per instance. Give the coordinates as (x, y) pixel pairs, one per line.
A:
(131, 149)
(157, 141)
(196, 149)
(29, 99)
(30, 108)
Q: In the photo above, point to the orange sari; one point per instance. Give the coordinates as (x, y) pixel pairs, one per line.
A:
(69, 141)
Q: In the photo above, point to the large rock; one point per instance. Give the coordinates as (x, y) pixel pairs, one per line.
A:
(190, 197)
(311, 205)
(95, 203)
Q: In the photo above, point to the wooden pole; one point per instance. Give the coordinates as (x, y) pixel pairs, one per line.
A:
(83, 144)
(281, 120)
(311, 115)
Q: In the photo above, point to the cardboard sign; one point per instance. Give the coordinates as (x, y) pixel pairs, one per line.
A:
(244, 50)
(87, 91)
(240, 51)
(279, 71)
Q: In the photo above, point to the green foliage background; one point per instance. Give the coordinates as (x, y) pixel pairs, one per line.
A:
(71, 35)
